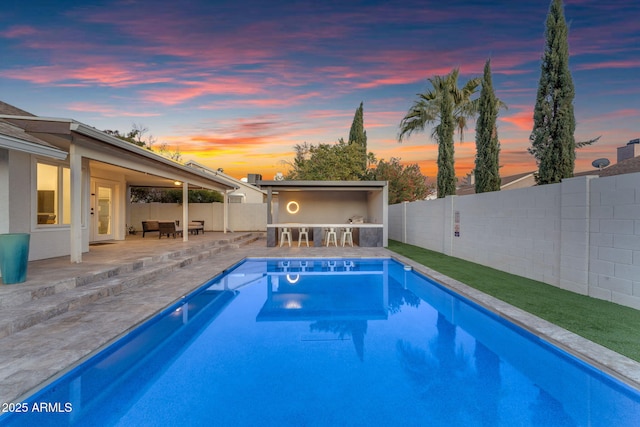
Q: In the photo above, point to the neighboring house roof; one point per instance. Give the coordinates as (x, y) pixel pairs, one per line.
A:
(631, 165)
(13, 111)
(238, 183)
(511, 180)
(506, 183)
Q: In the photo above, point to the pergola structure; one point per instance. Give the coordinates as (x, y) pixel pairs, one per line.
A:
(317, 205)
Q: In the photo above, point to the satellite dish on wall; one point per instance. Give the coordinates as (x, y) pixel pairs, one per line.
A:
(600, 163)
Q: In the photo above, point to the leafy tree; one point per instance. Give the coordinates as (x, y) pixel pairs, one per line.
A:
(164, 195)
(552, 139)
(327, 162)
(406, 183)
(358, 136)
(447, 107)
(487, 171)
(343, 161)
(137, 137)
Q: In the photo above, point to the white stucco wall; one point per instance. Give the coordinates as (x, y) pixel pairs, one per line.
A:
(582, 235)
(242, 216)
(320, 206)
(4, 190)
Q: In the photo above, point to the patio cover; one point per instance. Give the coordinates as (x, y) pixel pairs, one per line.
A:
(140, 166)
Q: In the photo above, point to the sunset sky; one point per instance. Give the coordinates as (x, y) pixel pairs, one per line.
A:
(236, 84)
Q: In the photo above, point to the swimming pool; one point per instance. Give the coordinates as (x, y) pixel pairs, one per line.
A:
(329, 342)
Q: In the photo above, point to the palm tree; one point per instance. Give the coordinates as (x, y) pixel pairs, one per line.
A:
(447, 107)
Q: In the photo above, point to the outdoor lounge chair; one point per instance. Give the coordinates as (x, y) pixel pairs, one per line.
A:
(196, 226)
(169, 228)
(149, 226)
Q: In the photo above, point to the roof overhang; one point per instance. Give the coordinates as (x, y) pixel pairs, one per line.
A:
(180, 171)
(15, 138)
(31, 147)
(58, 133)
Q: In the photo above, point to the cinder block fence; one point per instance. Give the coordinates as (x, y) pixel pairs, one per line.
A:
(582, 234)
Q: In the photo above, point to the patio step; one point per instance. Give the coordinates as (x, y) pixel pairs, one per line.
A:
(24, 306)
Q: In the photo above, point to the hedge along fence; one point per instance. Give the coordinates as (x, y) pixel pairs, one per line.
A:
(582, 234)
(242, 216)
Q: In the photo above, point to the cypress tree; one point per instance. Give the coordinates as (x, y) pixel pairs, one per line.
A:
(487, 172)
(357, 135)
(552, 139)
(444, 133)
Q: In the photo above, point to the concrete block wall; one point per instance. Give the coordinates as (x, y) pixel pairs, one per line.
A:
(582, 235)
(614, 239)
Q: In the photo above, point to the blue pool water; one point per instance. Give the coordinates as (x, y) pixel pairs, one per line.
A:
(330, 343)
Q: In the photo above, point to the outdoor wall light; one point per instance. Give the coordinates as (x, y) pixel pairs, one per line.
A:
(293, 278)
(293, 207)
(177, 183)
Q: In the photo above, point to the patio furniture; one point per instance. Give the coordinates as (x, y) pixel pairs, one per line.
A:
(286, 232)
(304, 231)
(150, 226)
(169, 228)
(332, 233)
(196, 226)
(347, 234)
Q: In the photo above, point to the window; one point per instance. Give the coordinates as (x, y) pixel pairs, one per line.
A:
(54, 194)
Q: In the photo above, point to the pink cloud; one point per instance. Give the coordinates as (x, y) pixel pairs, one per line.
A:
(18, 31)
(68, 75)
(107, 110)
(522, 120)
(630, 63)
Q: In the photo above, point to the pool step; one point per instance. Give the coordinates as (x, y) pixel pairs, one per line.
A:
(25, 305)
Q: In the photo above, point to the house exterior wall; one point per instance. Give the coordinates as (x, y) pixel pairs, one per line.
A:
(251, 194)
(46, 242)
(582, 234)
(18, 211)
(242, 216)
(5, 185)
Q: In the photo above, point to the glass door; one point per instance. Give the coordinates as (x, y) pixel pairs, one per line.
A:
(103, 212)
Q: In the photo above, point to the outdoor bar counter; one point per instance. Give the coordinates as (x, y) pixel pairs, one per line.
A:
(364, 234)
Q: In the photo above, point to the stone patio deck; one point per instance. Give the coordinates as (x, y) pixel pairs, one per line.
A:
(65, 312)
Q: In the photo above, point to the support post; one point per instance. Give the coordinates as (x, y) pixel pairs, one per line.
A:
(75, 166)
(185, 211)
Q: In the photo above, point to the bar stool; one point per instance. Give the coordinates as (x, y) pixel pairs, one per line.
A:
(347, 234)
(285, 233)
(332, 233)
(304, 231)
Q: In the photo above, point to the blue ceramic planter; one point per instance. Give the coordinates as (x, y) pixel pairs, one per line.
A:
(14, 256)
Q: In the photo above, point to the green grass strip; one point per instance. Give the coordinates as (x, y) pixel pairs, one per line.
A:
(611, 325)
